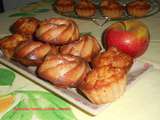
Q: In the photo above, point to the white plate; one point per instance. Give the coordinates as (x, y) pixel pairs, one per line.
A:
(71, 94)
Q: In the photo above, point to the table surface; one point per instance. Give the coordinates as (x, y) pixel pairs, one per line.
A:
(140, 102)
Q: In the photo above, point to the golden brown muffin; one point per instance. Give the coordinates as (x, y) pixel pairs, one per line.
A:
(113, 58)
(26, 26)
(138, 8)
(64, 6)
(58, 31)
(111, 8)
(85, 8)
(86, 47)
(63, 70)
(104, 84)
(9, 43)
(32, 53)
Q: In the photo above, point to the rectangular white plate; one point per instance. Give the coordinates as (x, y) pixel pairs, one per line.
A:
(71, 94)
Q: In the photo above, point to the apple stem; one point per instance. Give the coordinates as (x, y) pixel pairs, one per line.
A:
(124, 25)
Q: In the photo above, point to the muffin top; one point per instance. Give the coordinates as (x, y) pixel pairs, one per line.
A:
(102, 76)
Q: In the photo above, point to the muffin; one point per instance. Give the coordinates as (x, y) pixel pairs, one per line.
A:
(64, 6)
(86, 47)
(26, 26)
(85, 8)
(111, 8)
(104, 84)
(113, 58)
(138, 8)
(63, 70)
(9, 43)
(32, 53)
(58, 31)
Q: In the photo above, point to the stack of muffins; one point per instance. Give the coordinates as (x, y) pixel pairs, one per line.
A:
(66, 59)
(107, 8)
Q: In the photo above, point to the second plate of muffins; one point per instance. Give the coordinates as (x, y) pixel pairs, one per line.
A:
(106, 9)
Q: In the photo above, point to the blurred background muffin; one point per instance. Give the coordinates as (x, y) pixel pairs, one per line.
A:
(64, 6)
(138, 8)
(85, 8)
(111, 8)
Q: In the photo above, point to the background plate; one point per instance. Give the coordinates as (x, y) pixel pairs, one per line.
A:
(155, 8)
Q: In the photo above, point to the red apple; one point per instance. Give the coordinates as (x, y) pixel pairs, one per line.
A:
(131, 37)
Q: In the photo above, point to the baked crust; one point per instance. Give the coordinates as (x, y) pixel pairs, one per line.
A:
(9, 43)
(104, 84)
(25, 26)
(86, 47)
(63, 70)
(32, 53)
(58, 31)
(113, 58)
